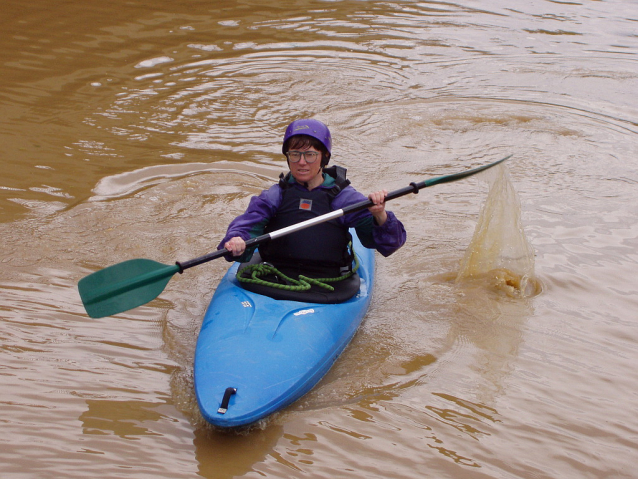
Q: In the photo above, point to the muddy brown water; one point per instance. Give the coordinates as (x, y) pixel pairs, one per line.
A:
(140, 129)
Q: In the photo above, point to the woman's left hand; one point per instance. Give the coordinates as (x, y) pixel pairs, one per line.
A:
(378, 210)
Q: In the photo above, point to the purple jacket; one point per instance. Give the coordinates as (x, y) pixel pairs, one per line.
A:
(386, 239)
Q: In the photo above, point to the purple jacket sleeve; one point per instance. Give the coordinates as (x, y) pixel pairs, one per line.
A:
(252, 222)
(386, 239)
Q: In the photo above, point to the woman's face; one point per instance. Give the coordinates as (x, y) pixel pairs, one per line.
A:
(305, 172)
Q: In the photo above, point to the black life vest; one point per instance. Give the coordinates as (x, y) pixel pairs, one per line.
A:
(320, 250)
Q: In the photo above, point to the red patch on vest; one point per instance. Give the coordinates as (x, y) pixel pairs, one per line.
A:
(305, 204)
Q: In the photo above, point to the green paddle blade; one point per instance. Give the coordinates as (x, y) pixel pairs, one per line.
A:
(124, 286)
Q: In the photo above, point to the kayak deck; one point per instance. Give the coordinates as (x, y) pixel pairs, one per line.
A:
(256, 355)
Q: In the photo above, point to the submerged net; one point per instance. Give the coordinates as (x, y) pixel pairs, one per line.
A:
(499, 253)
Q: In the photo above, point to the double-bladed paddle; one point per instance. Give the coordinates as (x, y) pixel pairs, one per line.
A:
(135, 282)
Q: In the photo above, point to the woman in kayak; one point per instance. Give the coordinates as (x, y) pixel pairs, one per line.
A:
(309, 190)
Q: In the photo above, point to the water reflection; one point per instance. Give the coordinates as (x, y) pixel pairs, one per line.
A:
(123, 418)
(227, 455)
(494, 327)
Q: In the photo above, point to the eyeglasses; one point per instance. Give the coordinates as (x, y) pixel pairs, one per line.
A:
(309, 156)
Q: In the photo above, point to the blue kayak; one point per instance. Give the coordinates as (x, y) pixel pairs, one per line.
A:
(256, 355)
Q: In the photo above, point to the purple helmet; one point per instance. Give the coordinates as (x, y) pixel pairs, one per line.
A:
(313, 128)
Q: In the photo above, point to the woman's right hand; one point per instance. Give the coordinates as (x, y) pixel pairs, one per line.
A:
(236, 246)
